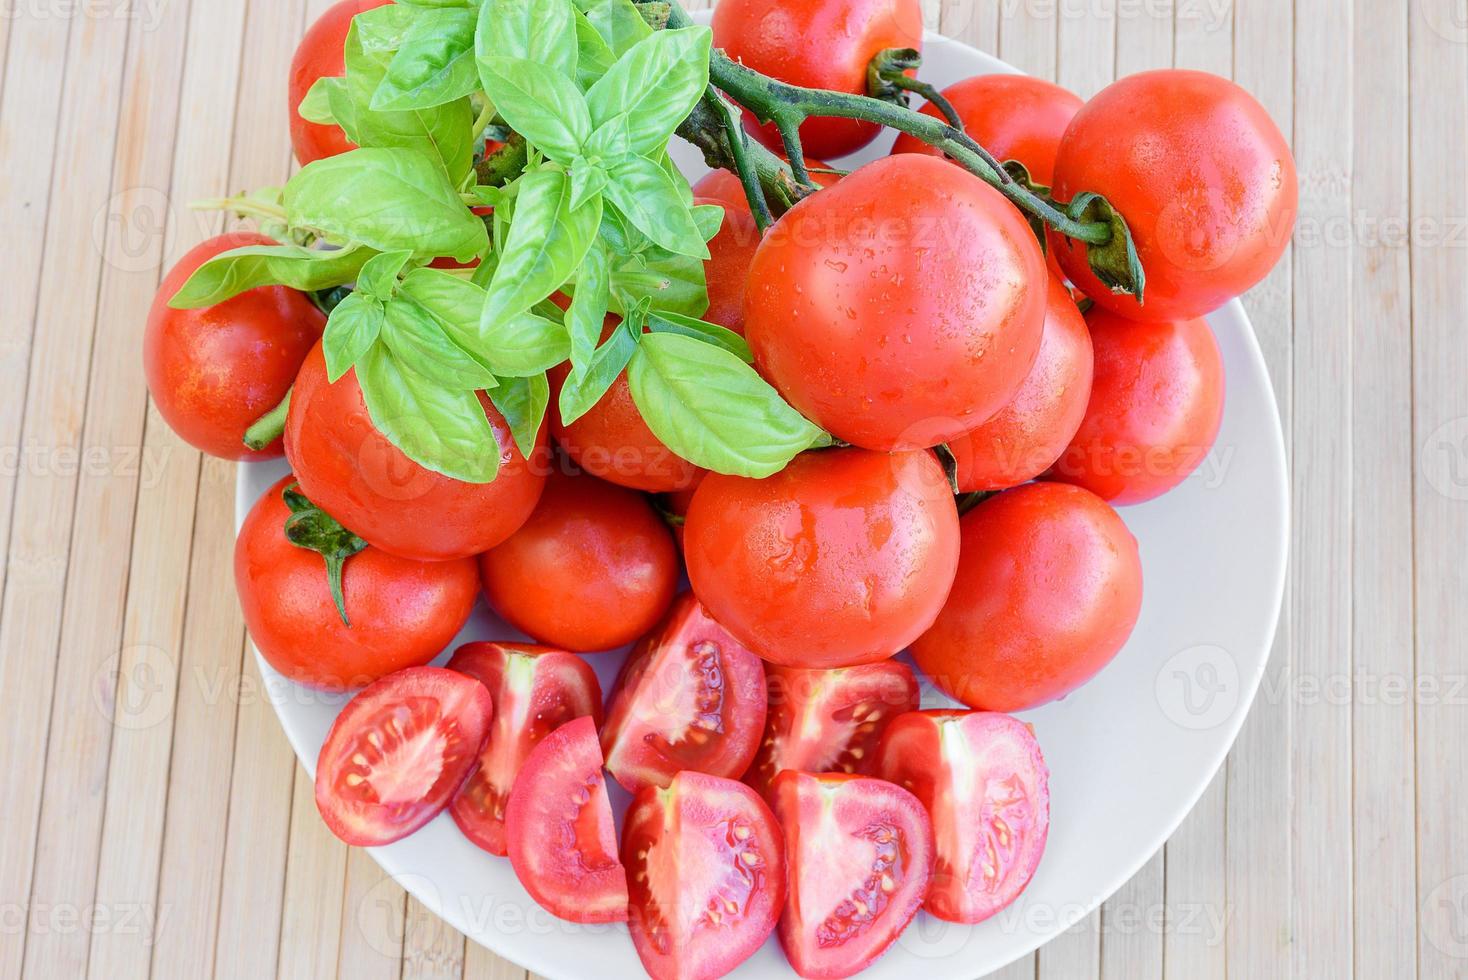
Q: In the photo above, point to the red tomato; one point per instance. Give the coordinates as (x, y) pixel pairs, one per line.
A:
(1202, 176)
(727, 268)
(1155, 408)
(592, 569)
(724, 187)
(398, 752)
(213, 371)
(860, 857)
(900, 308)
(613, 442)
(689, 697)
(983, 780)
(1031, 432)
(825, 44)
(535, 690)
(829, 720)
(320, 55)
(1048, 589)
(351, 471)
(563, 844)
(706, 869)
(1014, 117)
(842, 558)
(403, 612)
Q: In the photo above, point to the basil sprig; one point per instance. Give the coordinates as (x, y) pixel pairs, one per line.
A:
(599, 215)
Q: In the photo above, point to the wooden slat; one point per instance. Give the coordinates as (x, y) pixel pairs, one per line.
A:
(481, 964)
(1323, 467)
(252, 890)
(1384, 787)
(373, 922)
(45, 491)
(1438, 60)
(432, 949)
(315, 880)
(1132, 923)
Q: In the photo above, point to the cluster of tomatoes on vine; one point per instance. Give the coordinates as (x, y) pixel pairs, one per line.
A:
(983, 429)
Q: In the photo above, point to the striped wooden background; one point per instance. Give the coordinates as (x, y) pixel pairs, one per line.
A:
(152, 819)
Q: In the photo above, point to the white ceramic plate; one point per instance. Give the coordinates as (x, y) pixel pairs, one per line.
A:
(1129, 753)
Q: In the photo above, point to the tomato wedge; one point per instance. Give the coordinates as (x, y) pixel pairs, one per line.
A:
(985, 784)
(398, 752)
(829, 720)
(706, 869)
(860, 856)
(563, 845)
(689, 697)
(535, 690)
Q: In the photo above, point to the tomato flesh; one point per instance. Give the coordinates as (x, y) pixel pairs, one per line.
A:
(398, 752)
(562, 842)
(706, 872)
(829, 720)
(860, 854)
(985, 784)
(689, 697)
(535, 690)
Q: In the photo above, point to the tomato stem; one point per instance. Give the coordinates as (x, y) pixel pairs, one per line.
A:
(887, 79)
(268, 427)
(787, 106)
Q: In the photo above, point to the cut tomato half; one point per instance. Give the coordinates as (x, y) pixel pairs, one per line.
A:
(562, 842)
(535, 690)
(689, 697)
(398, 752)
(860, 855)
(985, 784)
(706, 870)
(829, 720)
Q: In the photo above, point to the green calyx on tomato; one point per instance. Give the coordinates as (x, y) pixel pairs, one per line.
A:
(314, 529)
(584, 202)
(1115, 260)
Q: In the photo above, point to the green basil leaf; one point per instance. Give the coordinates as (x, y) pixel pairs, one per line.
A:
(434, 63)
(316, 105)
(663, 321)
(444, 132)
(539, 31)
(436, 427)
(709, 218)
(653, 87)
(546, 243)
(525, 344)
(539, 103)
(675, 283)
(230, 273)
(412, 204)
(455, 303)
(587, 181)
(588, 310)
(523, 401)
(419, 341)
(594, 58)
(352, 328)
(618, 23)
(712, 409)
(379, 275)
(381, 31)
(586, 384)
(651, 201)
